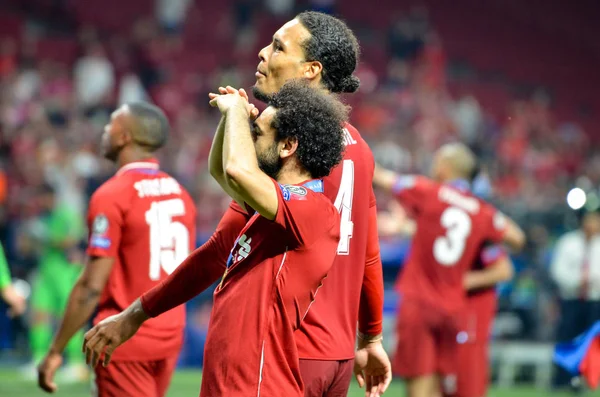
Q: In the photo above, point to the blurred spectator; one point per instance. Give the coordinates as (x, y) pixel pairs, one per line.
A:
(94, 78)
(468, 118)
(280, 7)
(171, 14)
(576, 271)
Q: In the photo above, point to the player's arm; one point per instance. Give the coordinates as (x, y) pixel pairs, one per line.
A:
(245, 181)
(83, 300)
(372, 366)
(80, 307)
(196, 273)
(200, 269)
(370, 319)
(497, 268)
(384, 179)
(395, 222)
(514, 236)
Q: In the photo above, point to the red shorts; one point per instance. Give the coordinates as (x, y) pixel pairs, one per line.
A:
(134, 378)
(426, 340)
(474, 369)
(326, 378)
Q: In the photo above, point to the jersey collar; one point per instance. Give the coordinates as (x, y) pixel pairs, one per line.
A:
(148, 164)
(460, 184)
(316, 185)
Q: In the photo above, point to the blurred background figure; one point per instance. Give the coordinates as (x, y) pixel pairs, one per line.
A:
(56, 232)
(575, 269)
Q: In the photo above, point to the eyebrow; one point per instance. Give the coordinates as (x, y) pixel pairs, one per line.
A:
(278, 41)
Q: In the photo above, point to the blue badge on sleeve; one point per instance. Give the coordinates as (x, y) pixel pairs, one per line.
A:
(100, 242)
(285, 192)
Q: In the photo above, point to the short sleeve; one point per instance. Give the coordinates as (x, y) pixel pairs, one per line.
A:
(234, 206)
(105, 222)
(497, 226)
(411, 190)
(491, 254)
(303, 215)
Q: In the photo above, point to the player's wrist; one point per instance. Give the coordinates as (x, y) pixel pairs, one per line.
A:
(367, 339)
(136, 312)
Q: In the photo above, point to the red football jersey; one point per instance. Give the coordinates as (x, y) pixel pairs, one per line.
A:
(273, 274)
(452, 228)
(481, 303)
(329, 330)
(145, 220)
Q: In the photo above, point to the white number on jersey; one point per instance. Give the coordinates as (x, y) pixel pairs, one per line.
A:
(169, 241)
(343, 203)
(448, 249)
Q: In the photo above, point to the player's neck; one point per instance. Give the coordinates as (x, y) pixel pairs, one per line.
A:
(292, 174)
(133, 155)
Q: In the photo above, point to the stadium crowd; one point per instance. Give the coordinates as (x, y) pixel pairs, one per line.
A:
(52, 112)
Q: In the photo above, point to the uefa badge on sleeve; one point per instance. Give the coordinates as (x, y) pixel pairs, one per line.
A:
(100, 225)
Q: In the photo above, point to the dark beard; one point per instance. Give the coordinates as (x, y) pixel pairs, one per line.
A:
(261, 96)
(270, 162)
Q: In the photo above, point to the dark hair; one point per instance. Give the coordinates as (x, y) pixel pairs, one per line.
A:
(315, 118)
(152, 125)
(333, 44)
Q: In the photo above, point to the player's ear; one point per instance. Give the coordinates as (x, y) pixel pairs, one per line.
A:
(312, 69)
(287, 147)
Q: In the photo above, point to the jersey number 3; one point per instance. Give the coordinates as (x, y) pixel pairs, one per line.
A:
(343, 203)
(448, 249)
(169, 241)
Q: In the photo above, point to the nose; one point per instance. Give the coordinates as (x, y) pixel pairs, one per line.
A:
(262, 54)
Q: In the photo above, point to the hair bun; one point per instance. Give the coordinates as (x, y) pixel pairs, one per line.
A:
(349, 84)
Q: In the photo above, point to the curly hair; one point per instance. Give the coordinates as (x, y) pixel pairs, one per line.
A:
(315, 118)
(333, 44)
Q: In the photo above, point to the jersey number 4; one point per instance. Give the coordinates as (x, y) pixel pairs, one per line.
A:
(343, 203)
(169, 240)
(448, 249)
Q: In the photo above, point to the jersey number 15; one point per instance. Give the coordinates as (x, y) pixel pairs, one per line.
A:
(169, 240)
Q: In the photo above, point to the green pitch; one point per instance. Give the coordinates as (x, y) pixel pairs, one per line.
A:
(187, 383)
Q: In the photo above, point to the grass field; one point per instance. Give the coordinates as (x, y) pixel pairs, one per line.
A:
(187, 383)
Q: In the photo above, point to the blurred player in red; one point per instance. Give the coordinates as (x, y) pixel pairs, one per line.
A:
(322, 50)
(453, 229)
(142, 226)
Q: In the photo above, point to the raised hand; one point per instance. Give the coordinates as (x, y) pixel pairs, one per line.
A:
(229, 97)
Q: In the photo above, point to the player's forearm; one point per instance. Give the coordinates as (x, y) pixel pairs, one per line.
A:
(514, 236)
(246, 181)
(215, 157)
(80, 307)
(384, 179)
(370, 314)
(239, 153)
(489, 277)
(195, 274)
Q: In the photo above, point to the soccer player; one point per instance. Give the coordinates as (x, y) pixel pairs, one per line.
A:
(284, 251)
(322, 50)
(142, 225)
(493, 266)
(453, 227)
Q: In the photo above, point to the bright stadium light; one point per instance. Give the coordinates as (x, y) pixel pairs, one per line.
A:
(576, 198)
